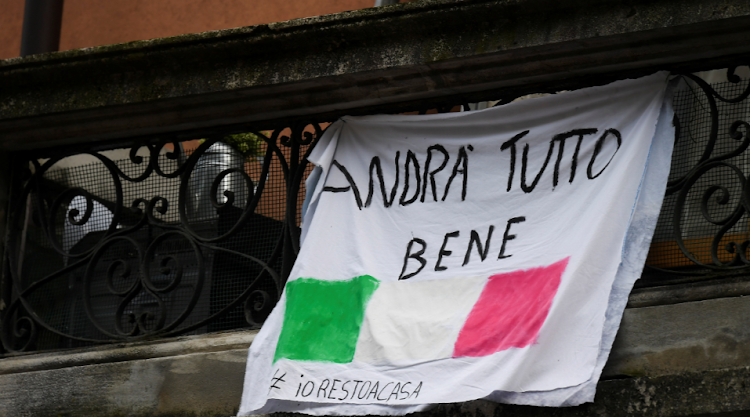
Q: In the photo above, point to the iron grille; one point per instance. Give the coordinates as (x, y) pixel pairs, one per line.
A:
(153, 241)
(704, 229)
(175, 237)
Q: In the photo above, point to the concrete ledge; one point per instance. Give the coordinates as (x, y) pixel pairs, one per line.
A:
(677, 293)
(211, 343)
(197, 384)
(715, 393)
(352, 62)
(676, 359)
(685, 337)
(210, 384)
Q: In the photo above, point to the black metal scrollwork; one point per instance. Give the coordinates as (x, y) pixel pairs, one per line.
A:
(711, 196)
(154, 264)
(149, 264)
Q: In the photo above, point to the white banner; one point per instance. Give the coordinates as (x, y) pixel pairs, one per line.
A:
(458, 256)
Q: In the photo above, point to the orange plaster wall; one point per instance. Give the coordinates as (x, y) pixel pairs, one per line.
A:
(88, 23)
(11, 25)
(94, 22)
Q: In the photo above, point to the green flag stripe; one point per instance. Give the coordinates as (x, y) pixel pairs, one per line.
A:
(322, 319)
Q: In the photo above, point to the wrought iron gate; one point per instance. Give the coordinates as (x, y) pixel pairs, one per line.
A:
(171, 241)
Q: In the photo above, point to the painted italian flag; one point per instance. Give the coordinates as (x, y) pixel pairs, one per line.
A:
(386, 322)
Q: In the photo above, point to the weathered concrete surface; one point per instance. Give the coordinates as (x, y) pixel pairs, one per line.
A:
(352, 62)
(210, 385)
(192, 375)
(210, 343)
(715, 393)
(697, 336)
(687, 359)
(204, 384)
(720, 287)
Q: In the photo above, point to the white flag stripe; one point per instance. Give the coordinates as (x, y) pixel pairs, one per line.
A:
(425, 324)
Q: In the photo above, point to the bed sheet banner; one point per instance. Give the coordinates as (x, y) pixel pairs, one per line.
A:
(459, 256)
